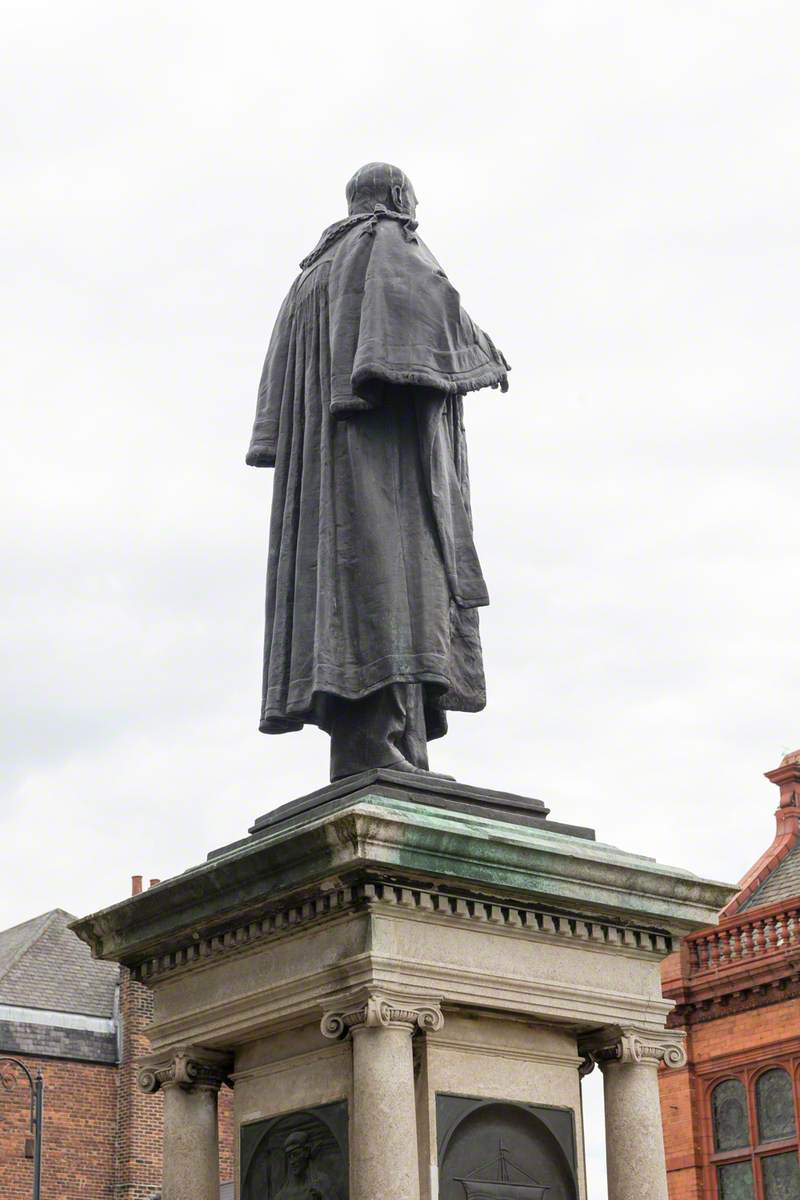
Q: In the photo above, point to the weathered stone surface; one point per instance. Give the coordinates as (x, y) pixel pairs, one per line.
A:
(476, 956)
(191, 1149)
(412, 840)
(384, 1145)
(634, 1137)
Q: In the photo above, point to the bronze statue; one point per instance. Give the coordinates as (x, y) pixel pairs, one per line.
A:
(373, 580)
(303, 1182)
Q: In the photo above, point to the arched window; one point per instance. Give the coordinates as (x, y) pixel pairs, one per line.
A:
(732, 1132)
(758, 1163)
(729, 1106)
(777, 1123)
(775, 1106)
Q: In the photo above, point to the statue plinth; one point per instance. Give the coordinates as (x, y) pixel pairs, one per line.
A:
(399, 973)
(435, 791)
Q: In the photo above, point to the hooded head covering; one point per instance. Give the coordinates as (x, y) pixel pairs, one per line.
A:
(380, 183)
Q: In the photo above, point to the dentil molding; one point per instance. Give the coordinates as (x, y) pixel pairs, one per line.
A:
(598, 933)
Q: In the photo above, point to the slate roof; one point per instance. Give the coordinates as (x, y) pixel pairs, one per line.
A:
(782, 883)
(44, 965)
(53, 1041)
(16, 940)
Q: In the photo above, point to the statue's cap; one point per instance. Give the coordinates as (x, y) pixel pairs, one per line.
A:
(298, 1138)
(378, 183)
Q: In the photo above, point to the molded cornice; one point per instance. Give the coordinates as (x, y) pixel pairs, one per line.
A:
(407, 842)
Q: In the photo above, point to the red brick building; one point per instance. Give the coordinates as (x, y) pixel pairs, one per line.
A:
(82, 1023)
(731, 1115)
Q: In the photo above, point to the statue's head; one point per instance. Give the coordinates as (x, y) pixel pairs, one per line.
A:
(380, 183)
(298, 1151)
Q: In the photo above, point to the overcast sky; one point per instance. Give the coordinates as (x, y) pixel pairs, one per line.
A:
(614, 188)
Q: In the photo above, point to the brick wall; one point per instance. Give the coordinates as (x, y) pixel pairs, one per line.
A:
(756, 1028)
(141, 1116)
(80, 1103)
(226, 1138)
(682, 1140)
(712, 1046)
(102, 1134)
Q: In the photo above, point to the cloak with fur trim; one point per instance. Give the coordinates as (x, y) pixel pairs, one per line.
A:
(373, 577)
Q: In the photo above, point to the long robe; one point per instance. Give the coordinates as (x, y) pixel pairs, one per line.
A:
(372, 577)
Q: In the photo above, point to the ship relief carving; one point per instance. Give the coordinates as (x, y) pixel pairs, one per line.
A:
(504, 1150)
(502, 1179)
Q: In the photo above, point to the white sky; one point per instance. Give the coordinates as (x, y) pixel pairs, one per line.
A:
(614, 188)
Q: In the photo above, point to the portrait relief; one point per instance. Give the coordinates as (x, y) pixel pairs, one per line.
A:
(297, 1156)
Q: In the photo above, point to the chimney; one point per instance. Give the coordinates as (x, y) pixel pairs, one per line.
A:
(787, 778)
(787, 832)
(153, 882)
(136, 885)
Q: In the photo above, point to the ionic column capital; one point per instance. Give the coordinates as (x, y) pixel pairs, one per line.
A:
(634, 1046)
(187, 1067)
(376, 1010)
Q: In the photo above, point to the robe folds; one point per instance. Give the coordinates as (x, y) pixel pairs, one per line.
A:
(372, 576)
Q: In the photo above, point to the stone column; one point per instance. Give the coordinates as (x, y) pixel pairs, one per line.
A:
(634, 1137)
(190, 1078)
(383, 1133)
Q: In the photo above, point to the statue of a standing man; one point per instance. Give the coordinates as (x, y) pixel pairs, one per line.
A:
(373, 581)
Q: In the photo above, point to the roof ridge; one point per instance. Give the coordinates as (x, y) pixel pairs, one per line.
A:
(37, 933)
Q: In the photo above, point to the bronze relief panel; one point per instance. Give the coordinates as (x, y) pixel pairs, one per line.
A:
(296, 1156)
(501, 1150)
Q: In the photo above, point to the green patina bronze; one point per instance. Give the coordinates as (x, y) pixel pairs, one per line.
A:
(405, 840)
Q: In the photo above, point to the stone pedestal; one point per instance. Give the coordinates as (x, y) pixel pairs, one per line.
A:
(403, 979)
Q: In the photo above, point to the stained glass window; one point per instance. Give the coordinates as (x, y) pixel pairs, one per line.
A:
(781, 1175)
(736, 1182)
(775, 1106)
(729, 1106)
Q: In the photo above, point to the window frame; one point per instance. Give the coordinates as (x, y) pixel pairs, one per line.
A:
(756, 1151)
